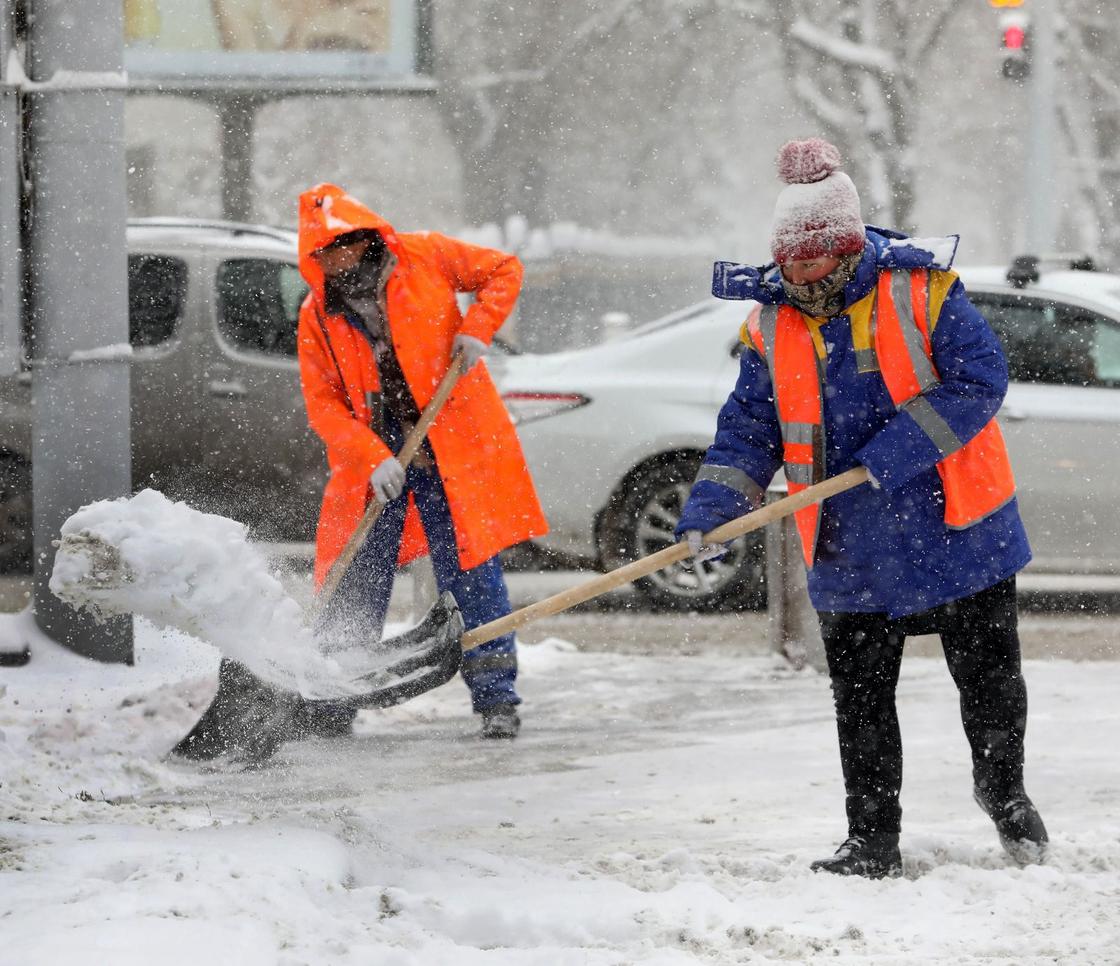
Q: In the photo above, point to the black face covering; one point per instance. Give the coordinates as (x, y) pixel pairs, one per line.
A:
(358, 282)
(361, 281)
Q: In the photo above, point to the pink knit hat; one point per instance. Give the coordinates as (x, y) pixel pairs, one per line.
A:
(818, 213)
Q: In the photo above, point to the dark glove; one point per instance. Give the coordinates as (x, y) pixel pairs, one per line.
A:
(709, 505)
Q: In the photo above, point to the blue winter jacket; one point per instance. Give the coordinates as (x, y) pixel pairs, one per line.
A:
(886, 549)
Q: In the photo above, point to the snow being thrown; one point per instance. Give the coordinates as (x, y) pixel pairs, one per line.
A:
(197, 573)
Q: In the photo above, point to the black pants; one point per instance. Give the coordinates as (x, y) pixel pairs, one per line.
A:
(980, 638)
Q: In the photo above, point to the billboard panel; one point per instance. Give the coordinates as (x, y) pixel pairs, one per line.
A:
(270, 40)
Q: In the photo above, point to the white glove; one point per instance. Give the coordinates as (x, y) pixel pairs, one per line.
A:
(473, 349)
(387, 480)
(700, 550)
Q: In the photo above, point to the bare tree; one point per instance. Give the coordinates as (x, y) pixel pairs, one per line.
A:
(1089, 110)
(503, 81)
(855, 67)
(542, 98)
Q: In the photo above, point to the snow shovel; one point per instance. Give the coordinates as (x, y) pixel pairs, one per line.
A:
(663, 558)
(251, 718)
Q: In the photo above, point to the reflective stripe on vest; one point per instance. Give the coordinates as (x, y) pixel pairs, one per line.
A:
(783, 335)
(976, 476)
(735, 479)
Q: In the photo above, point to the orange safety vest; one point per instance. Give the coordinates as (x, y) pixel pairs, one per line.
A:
(975, 475)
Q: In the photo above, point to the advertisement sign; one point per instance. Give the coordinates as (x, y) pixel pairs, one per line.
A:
(270, 40)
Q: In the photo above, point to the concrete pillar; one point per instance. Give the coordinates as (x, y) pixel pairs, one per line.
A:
(11, 283)
(78, 289)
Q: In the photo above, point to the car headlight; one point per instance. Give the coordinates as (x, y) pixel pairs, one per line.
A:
(524, 407)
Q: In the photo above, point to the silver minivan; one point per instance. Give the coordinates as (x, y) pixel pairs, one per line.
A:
(217, 413)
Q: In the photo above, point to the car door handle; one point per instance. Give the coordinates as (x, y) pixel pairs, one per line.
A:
(233, 389)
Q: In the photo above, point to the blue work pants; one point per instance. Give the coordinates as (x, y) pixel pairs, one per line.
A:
(362, 598)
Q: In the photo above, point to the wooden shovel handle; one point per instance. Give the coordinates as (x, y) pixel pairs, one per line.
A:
(412, 444)
(663, 558)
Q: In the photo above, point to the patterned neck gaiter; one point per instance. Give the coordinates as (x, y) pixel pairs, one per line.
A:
(824, 297)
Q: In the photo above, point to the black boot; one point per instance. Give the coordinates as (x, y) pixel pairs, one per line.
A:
(872, 856)
(1020, 828)
(500, 721)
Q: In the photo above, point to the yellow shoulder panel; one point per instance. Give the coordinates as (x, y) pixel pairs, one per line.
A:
(745, 335)
(860, 315)
(939, 284)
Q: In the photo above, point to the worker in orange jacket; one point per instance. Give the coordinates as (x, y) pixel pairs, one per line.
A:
(376, 334)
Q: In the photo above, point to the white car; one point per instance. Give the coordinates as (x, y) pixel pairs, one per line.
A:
(614, 434)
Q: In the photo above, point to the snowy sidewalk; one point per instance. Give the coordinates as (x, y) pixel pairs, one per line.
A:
(656, 810)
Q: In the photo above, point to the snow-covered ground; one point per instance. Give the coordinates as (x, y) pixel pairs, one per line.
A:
(656, 810)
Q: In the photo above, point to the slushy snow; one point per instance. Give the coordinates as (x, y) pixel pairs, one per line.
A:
(657, 810)
(199, 574)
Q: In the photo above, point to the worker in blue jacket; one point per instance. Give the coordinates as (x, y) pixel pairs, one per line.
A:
(865, 350)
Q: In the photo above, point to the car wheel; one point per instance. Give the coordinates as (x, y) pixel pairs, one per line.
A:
(15, 515)
(643, 522)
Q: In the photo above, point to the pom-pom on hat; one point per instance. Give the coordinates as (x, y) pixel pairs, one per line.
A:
(817, 214)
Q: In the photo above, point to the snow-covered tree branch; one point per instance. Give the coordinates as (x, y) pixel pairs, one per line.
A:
(1089, 109)
(853, 66)
(841, 50)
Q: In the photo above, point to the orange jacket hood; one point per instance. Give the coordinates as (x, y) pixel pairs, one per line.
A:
(325, 212)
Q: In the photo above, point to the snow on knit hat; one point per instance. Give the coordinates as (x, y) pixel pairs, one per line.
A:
(817, 214)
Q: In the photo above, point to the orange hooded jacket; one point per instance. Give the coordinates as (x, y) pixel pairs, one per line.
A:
(489, 491)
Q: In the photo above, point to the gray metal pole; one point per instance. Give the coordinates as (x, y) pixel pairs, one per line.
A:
(237, 114)
(78, 289)
(1041, 131)
(11, 273)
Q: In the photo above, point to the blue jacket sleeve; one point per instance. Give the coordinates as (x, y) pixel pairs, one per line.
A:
(745, 455)
(973, 371)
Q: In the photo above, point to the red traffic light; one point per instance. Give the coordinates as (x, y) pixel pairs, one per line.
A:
(1014, 38)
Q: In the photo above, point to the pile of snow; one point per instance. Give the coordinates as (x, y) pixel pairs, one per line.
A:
(74, 732)
(197, 573)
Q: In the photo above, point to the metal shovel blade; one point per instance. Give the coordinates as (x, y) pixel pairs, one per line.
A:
(249, 718)
(403, 667)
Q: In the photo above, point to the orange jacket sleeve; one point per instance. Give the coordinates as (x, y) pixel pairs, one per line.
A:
(493, 276)
(324, 394)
